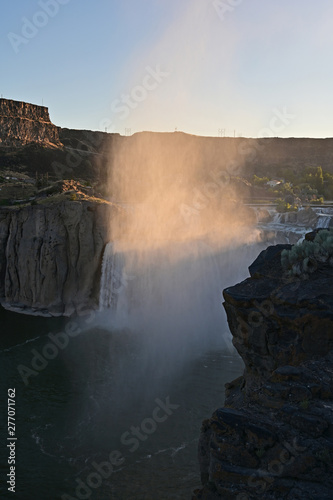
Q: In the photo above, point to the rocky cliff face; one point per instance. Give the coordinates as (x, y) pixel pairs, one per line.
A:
(273, 439)
(22, 123)
(50, 256)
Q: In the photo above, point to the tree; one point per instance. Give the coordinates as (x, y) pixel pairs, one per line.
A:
(260, 181)
(319, 180)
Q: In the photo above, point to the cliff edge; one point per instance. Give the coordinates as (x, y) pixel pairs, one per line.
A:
(23, 123)
(273, 439)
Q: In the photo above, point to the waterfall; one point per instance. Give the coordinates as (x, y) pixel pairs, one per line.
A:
(290, 227)
(278, 218)
(173, 292)
(324, 221)
(324, 218)
(112, 279)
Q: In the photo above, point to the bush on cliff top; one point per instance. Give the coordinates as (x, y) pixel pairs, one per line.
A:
(283, 206)
(305, 258)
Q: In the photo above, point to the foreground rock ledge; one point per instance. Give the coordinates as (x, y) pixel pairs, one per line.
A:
(273, 439)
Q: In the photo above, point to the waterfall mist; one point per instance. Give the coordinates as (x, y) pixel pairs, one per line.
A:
(181, 238)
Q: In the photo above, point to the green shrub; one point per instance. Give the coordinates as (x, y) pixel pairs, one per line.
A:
(317, 201)
(73, 197)
(304, 405)
(283, 206)
(324, 456)
(260, 452)
(260, 181)
(303, 259)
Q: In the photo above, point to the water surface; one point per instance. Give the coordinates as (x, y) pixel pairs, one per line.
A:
(85, 402)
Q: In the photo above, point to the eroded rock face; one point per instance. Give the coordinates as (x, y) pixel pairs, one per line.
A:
(274, 437)
(50, 256)
(23, 123)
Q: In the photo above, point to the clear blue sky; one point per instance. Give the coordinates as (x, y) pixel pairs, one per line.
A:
(158, 65)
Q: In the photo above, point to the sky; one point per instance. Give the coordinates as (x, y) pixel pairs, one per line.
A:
(251, 68)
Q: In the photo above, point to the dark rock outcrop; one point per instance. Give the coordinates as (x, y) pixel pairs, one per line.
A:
(273, 439)
(50, 256)
(23, 123)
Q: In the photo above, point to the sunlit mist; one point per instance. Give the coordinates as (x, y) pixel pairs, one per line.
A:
(182, 237)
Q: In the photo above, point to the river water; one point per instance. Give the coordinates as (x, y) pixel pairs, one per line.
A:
(84, 403)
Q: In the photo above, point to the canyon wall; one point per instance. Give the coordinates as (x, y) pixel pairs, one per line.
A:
(240, 154)
(273, 439)
(23, 123)
(95, 153)
(51, 254)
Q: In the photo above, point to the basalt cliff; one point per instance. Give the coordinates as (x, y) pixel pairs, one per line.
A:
(273, 438)
(22, 123)
(51, 255)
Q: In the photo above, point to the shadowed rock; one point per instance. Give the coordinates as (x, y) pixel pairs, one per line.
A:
(50, 256)
(274, 437)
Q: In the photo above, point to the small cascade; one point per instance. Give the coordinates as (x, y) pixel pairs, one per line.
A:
(290, 227)
(111, 279)
(278, 218)
(324, 219)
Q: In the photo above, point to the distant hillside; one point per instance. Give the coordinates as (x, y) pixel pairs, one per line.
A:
(31, 145)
